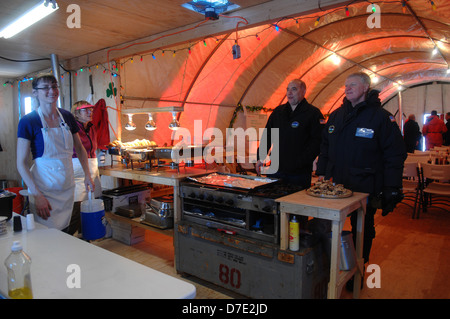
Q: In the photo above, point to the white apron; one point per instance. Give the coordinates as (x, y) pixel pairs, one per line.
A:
(53, 174)
(80, 188)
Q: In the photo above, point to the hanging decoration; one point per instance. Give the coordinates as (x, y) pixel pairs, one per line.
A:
(111, 91)
(240, 108)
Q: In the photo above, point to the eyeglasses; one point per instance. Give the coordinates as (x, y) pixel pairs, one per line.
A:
(47, 88)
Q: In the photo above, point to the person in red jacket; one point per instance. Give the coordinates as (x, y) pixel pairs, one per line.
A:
(432, 130)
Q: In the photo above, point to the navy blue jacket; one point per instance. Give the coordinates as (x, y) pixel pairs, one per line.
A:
(362, 147)
(300, 132)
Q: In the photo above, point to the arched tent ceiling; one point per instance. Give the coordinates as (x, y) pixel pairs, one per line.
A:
(208, 78)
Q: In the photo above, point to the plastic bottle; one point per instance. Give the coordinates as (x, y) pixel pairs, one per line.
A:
(18, 265)
(294, 233)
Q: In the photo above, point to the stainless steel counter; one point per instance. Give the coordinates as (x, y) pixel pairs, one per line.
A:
(163, 176)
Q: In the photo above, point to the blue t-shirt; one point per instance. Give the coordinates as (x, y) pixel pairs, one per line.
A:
(30, 128)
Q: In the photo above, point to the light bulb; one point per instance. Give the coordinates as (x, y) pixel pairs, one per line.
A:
(150, 125)
(130, 126)
(174, 125)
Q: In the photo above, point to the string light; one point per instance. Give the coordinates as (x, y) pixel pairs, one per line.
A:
(276, 26)
(433, 6)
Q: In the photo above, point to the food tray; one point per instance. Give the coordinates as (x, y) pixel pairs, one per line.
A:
(233, 180)
(346, 194)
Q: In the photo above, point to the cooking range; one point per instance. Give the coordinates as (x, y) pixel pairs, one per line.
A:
(250, 212)
(228, 234)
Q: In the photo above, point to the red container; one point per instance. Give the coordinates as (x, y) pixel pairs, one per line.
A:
(18, 201)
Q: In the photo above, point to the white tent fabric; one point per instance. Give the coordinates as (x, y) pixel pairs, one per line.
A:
(210, 84)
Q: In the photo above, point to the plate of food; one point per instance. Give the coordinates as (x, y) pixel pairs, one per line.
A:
(328, 189)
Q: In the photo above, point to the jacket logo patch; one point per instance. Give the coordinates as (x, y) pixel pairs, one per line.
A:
(295, 124)
(331, 129)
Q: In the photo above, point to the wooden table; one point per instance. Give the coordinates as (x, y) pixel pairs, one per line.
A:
(335, 210)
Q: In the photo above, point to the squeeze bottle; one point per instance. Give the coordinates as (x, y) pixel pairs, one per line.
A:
(294, 233)
(18, 264)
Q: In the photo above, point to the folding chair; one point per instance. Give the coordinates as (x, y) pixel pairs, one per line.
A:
(434, 183)
(410, 182)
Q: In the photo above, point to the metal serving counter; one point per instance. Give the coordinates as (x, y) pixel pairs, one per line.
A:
(169, 177)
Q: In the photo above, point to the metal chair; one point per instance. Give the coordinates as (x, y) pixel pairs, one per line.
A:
(434, 181)
(411, 189)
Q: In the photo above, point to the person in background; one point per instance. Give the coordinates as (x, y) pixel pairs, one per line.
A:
(363, 149)
(82, 112)
(50, 135)
(300, 127)
(411, 134)
(446, 135)
(433, 130)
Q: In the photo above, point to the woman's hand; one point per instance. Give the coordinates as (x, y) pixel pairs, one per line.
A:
(89, 183)
(43, 207)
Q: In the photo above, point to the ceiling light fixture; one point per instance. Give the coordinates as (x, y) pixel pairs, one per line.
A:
(130, 126)
(29, 18)
(210, 8)
(335, 59)
(174, 125)
(150, 125)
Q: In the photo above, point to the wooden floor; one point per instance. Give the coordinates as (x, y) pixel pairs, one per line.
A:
(413, 256)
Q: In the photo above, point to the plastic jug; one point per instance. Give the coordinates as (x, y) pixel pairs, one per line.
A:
(18, 264)
(93, 223)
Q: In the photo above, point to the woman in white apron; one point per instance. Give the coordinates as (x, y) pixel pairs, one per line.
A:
(50, 134)
(82, 111)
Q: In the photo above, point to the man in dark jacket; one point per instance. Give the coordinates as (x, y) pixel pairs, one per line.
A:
(411, 134)
(446, 135)
(300, 128)
(363, 149)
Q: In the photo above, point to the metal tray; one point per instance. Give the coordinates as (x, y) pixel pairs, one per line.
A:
(235, 181)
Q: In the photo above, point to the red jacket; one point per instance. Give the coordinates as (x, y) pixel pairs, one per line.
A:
(100, 121)
(432, 131)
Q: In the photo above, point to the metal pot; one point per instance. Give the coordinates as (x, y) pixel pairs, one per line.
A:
(138, 154)
(162, 206)
(6, 203)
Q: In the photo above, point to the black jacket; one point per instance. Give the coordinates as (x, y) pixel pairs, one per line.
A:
(362, 147)
(446, 135)
(299, 136)
(411, 134)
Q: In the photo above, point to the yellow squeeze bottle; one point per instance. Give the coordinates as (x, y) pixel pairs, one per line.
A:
(294, 234)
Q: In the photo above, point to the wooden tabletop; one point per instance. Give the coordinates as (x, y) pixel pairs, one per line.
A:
(303, 204)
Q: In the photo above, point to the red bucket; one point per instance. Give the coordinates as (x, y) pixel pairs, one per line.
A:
(18, 201)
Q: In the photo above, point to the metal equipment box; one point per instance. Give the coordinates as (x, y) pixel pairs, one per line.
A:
(250, 267)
